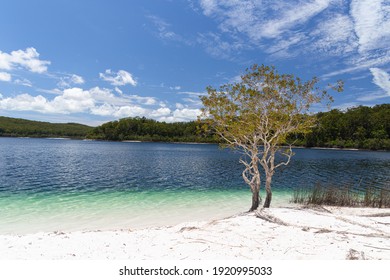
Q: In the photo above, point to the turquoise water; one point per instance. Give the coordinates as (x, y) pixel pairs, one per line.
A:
(48, 184)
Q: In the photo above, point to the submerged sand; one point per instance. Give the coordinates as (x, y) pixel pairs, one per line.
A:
(293, 233)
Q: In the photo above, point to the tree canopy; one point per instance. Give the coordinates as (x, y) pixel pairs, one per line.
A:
(257, 115)
(143, 129)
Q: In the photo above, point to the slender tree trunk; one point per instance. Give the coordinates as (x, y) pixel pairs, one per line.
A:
(268, 197)
(255, 199)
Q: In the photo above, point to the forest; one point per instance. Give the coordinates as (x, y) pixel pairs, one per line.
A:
(11, 127)
(143, 129)
(359, 127)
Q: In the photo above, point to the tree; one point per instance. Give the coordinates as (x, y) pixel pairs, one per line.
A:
(257, 115)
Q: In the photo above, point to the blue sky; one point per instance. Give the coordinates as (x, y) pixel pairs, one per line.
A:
(96, 61)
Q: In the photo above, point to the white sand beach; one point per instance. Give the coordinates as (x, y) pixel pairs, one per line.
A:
(292, 233)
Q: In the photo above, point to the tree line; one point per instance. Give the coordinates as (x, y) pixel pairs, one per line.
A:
(360, 127)
(143, 129)
(12, 127)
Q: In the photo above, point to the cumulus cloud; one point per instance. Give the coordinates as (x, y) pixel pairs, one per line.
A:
(182, 115)
(120, 78)
(97, 101)
(5, 77)
(28, 59)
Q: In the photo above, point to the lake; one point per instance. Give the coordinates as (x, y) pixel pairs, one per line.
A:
(53, 184)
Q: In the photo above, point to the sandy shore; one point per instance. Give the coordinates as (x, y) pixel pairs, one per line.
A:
(277, 233)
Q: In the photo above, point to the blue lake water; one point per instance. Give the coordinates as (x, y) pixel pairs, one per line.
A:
(49, 184)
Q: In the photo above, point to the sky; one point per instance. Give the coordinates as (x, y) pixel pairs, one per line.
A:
(96, 61)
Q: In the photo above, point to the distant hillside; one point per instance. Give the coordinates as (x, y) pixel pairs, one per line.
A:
(25, 128)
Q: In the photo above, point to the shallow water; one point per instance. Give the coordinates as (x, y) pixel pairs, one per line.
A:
(52, 184)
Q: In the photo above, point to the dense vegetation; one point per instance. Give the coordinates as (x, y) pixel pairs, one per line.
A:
(360, 127)
(12, 127)
(142, 129)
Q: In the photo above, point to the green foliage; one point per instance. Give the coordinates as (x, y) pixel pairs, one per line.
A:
(143, 129)
(360, 127)
(266, 107)
(12, 127)
(260, 114)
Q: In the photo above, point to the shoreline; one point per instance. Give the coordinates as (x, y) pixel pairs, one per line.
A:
(293, 233)
(181, 142)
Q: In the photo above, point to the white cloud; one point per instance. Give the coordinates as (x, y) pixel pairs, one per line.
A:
(258, 19)
(69, 80)
(160, 112)
(73, 100)
(279, 28)
(164, 30)
(120, 78)
(192, 93)
(143, 100)
(372, 96)
(76, 79)
(28, 59)
(179, 106)
(381, 79)
(345, 106)
(5, 77)
(362, 63)
(24, 102)
(129, 111)
(217, 47)
(281, 47)
(118, 90)
(186, 114)
(175, 88)
(182, 115)
(335, 35)
(23, 82)
(372, 24)
(358, 31)
(95, 101)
